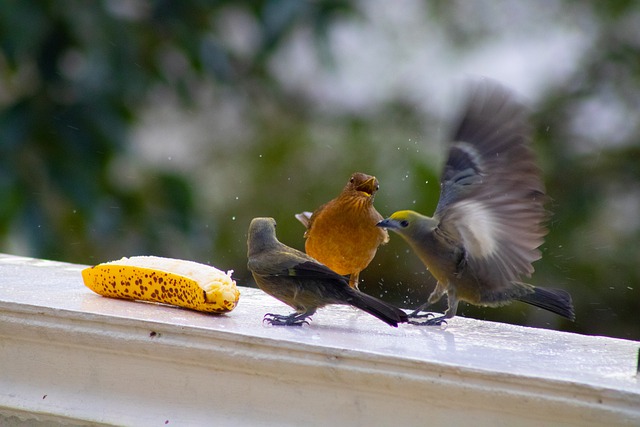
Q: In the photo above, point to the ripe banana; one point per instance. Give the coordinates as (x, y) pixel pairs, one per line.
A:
(170, 281)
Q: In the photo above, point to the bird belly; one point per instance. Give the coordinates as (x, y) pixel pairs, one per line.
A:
(344, 243)
(300, 295)
(341, 256)
(442, 261)
(468, 291)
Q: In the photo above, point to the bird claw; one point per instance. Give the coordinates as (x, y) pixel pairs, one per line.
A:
(416, 315)
(436, 321)
(282, 320)
(433, 321)
(428, 319)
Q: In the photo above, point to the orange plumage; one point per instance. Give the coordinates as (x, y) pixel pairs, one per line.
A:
(342, 233)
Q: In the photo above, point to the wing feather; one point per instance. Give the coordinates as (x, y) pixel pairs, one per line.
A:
(492, 197)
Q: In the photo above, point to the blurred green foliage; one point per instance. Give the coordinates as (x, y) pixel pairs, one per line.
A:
(77, 79)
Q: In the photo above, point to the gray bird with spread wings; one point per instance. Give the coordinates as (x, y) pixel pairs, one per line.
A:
(489, 221)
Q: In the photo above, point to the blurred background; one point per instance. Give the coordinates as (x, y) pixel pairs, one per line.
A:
(131, 127)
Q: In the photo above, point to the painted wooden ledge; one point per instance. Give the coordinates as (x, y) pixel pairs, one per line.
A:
(69, 356)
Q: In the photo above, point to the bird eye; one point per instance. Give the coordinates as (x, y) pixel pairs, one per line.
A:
(404, 223)
(352, 180)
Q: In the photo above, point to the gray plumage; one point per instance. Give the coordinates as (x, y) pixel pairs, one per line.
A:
(489, 221)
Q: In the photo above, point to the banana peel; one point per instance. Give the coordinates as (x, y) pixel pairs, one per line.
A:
(171, 281)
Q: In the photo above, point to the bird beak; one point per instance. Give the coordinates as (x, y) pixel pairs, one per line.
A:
(388, 223)
(369, 187)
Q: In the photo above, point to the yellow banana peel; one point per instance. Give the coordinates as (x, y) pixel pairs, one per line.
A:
(177, 282)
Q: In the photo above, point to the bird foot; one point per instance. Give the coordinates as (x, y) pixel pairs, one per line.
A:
(416, 315)
(435, 321)
(282, 320)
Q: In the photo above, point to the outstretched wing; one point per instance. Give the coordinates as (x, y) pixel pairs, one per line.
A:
(492, 196)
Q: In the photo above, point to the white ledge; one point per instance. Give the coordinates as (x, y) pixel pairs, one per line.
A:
(70, 356)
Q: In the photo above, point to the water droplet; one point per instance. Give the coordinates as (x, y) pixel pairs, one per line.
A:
(233, 218)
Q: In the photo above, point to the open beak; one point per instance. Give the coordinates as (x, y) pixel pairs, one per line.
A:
(369, 187)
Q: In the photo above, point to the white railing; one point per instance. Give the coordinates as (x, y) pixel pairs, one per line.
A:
(69, 356)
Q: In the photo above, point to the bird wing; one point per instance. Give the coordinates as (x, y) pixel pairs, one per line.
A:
(491, 196)
(290, 262)
(304, 218)
(315, 270)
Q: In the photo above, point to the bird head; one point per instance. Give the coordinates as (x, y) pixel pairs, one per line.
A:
(362, 184)
(262, 234)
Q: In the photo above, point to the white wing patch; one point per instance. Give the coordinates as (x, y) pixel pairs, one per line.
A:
(477, 227)
(471, 151)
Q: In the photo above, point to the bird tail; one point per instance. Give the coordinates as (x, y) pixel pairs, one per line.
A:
(386, 312)
(304, 218)
(555, 300)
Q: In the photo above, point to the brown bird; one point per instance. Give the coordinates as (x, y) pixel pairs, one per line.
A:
(342, 233)
(301, 282)
(488, 224)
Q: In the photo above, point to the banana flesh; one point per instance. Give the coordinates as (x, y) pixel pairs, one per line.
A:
(165, 280)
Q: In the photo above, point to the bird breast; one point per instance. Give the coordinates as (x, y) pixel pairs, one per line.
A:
(344, 235)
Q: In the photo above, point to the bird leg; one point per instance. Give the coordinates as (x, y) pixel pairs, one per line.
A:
(353, 279)
(415, 314)
(293, 319)
(436, 321)
(435, 296)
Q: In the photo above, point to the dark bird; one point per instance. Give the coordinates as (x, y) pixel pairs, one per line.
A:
(489, 221)
(342, 233)
(303, 283)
